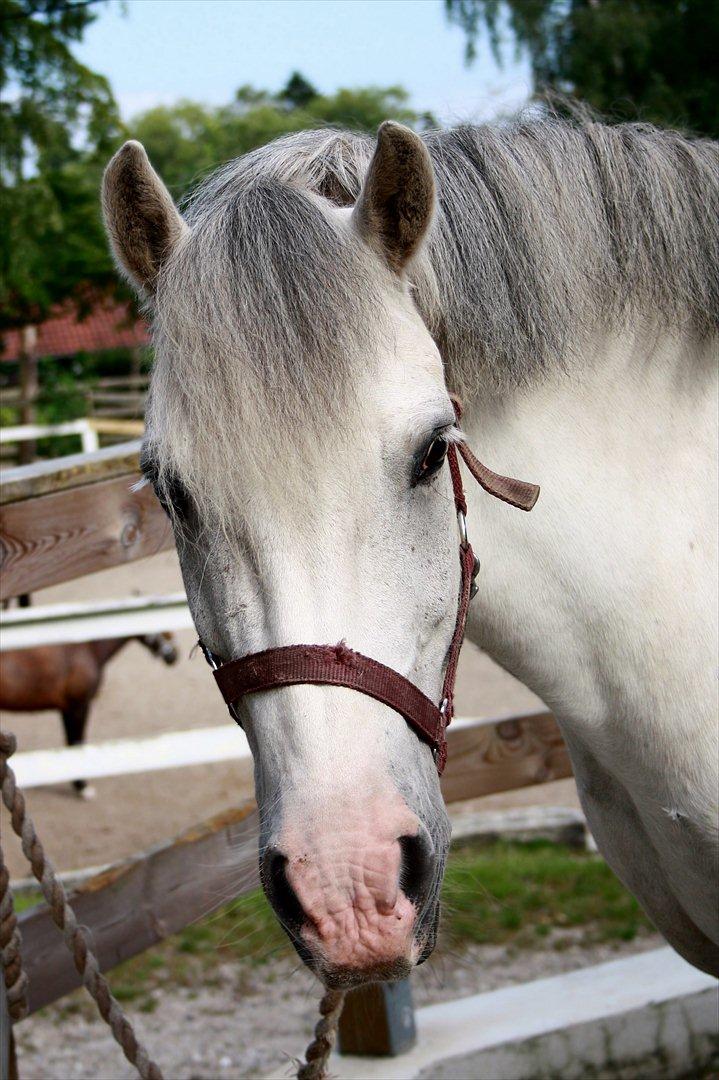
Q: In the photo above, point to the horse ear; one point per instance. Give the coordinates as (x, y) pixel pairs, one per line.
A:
(140, 217)
(395, 205)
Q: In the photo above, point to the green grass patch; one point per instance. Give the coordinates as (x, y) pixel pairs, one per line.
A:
(27, 899)
(520, 893)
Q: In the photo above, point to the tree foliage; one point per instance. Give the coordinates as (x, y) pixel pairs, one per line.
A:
(652, 59)
(58, 122)
(185, 141)
(59, 125)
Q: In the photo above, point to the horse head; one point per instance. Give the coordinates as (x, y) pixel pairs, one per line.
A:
(298, 425)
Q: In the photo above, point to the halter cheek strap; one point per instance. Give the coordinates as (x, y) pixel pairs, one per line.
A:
(338, 665)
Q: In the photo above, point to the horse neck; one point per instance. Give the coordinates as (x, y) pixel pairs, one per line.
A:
(594, 599)
(106, 648)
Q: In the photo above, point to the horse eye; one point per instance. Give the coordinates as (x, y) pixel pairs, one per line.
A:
(171, 493)
(433, 458)
(173, 497)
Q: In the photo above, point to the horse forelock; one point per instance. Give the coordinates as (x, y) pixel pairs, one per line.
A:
(266, 316)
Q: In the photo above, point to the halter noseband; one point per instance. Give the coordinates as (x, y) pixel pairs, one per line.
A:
(338, 665)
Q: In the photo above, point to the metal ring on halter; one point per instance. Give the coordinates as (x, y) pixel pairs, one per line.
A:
(462, 522)
(215, 663)
(209, 656)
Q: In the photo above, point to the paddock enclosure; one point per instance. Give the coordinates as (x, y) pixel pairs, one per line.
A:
(78, 515)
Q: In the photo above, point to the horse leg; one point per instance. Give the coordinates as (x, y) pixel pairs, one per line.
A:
(74, 719)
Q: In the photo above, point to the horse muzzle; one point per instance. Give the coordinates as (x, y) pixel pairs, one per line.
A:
(356, 902)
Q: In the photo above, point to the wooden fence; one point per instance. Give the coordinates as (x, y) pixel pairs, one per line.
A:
(61, 520)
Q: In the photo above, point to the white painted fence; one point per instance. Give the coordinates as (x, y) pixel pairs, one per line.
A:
(61, 624)
(171, 750)
(23, 432)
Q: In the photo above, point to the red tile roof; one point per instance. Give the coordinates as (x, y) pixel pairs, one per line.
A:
(112, 326)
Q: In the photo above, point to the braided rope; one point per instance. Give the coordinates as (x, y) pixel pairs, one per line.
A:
(77, 938)
(317, 1054)
(10, 943)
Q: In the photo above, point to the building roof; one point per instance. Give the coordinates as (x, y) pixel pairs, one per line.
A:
(111, 326)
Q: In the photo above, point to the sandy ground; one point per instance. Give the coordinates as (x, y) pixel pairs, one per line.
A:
(141, 696)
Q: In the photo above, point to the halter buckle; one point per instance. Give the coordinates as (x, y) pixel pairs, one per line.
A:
(473, 589)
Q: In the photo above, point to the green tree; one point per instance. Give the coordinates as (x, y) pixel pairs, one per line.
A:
(297, 92)
(58, 123)
(187, 140)
(652, 59)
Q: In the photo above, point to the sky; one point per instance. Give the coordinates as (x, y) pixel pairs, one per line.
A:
(156, 51)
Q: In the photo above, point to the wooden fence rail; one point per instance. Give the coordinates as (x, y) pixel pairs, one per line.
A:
(137, 903)
(62, 624)
(24, 432)
(61, 520)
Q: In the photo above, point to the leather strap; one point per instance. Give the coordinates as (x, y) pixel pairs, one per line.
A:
(338, 665)
(332, 665)
(515, 492)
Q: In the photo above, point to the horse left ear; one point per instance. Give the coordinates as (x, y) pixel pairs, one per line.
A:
(396, 203)
(141, 219)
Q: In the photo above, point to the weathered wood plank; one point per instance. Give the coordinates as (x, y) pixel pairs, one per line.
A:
(55, 538)
(71, 471)
(137, 904)
(509, 754)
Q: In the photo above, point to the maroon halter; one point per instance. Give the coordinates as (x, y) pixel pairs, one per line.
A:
(338, 665)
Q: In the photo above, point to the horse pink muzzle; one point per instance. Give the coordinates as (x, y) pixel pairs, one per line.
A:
(339, 890)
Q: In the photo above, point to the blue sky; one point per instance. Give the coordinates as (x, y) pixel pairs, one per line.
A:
(161, 50)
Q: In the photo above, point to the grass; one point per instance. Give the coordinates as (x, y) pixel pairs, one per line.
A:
(519, 893)
(503, 893)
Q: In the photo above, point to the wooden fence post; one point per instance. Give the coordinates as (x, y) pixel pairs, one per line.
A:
(378, 1020)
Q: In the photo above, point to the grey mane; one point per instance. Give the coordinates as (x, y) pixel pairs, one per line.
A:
(547, 230)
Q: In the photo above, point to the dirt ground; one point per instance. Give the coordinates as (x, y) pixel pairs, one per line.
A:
(141, 696)
(252, 1022)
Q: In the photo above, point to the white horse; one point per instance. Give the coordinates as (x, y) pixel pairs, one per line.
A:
(312, 311)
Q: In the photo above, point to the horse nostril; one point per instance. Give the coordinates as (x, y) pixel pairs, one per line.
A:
(279, 892)
(418, 866)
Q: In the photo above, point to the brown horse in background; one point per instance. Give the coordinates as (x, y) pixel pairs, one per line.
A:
(67, 678)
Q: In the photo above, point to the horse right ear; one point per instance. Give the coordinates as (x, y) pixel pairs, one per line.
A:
(141, 219)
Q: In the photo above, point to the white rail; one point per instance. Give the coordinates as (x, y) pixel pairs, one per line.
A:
(123, 757)
(62, 624)
(83, 428)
